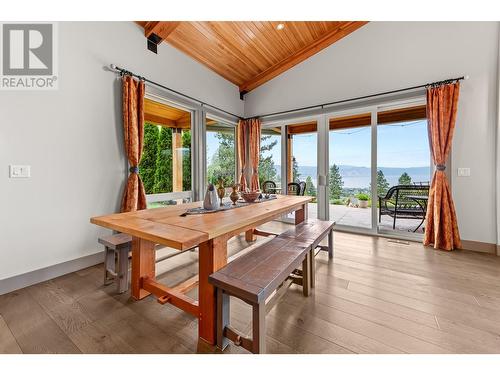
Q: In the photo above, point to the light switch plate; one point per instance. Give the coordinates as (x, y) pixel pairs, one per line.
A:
(19, 171)
(463, 172)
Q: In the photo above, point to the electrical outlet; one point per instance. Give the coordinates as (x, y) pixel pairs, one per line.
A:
(19, 171)
(463, 172)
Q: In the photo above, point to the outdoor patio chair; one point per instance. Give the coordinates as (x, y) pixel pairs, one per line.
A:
(293, 188)
(401, 201)
(302, 185)
(269, 187)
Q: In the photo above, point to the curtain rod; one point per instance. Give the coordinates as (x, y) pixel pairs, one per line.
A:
(321, 106)
(201, 102)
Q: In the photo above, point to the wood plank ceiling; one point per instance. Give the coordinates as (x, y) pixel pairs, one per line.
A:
(249, 53)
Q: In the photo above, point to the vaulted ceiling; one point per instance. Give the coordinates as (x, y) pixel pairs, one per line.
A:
(249, 53)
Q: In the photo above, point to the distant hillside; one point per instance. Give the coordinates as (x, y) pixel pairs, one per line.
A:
(353, 171)
(359, 177)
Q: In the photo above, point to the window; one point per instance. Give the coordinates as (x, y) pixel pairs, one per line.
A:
(221, 152)
(270, 156)
(165, 167)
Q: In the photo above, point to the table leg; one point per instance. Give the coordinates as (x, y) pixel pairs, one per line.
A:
(250, 235)
(212, 257)
(143, 265)
(301, 214)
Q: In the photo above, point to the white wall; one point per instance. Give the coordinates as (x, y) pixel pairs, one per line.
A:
(72, 138)
(384, 56)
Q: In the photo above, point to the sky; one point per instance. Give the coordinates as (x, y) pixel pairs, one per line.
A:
(401, 145)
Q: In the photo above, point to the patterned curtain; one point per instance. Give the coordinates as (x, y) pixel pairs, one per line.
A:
(254, 151)
(242, 141)
(134, 196)
(442, 228)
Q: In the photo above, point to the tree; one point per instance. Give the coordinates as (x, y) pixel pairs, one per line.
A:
(163, 175)
(382, 184)
(186, 160)
(404, 179)
(335, 182)
(310, 188)
(295, 170)
(267, 168)
(223, 161)
(147, 166)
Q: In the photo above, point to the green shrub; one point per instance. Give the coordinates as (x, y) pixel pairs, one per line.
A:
(363, 197)
(338, 201)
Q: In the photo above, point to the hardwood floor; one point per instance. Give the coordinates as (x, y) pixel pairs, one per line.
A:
(376, 296)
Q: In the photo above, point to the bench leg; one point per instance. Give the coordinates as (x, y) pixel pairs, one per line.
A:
(123, 270)
(259, 328)
(312, 271)
(330, 244)
(222, 318)
(109, 264)
(306, 275)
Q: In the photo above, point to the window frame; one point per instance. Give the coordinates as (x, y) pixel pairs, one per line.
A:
(188, 194)
(231, 123)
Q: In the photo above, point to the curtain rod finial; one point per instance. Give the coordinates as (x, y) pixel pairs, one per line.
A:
(466, 77)
(112, 66)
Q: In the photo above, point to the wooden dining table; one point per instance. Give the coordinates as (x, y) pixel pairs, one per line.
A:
(209, 232)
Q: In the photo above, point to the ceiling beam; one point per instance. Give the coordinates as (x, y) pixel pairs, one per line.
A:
(302, 54)
(159, 120)
(161, 28)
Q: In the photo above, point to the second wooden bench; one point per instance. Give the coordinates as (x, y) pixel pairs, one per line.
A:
(254, 276)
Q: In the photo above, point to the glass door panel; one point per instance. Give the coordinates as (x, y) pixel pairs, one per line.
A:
(302, 162)
(165, 167)
(270, 160)
(349, 177)
(220, 152)
(403, 172)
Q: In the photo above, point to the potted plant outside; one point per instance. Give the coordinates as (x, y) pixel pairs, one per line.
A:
(363, 200)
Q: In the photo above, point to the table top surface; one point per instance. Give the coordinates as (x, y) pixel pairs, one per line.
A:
(165, 225)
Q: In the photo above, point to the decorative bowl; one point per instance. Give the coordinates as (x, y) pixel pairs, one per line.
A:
(251, 196)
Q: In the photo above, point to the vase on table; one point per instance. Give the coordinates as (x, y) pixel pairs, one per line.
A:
(210, 202)
(221, 191)
(234, 194)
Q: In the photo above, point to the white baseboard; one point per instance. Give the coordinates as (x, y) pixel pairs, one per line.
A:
(34, 277)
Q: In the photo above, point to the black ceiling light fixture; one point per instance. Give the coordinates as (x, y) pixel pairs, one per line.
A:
(153, 41)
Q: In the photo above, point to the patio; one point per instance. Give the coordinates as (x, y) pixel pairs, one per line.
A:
(361, 217)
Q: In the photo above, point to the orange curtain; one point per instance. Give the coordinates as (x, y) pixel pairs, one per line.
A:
(254, 151)
(249, 134)
(134, 196)
(442, 228)
(242, 141)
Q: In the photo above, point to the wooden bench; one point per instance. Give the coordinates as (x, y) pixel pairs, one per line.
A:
(256, 275)
(116, 251)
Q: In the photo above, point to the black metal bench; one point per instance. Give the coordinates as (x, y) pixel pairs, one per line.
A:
(398, 203)
(254, 276)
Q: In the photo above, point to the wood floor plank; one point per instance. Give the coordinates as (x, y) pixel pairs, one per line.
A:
(8, 343)
(33, 329)
(304, 318)
(453, 343)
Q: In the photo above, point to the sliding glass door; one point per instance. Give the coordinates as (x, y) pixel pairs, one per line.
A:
(350, 170)
(403, 170)
(351, 162)
(378, 169)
